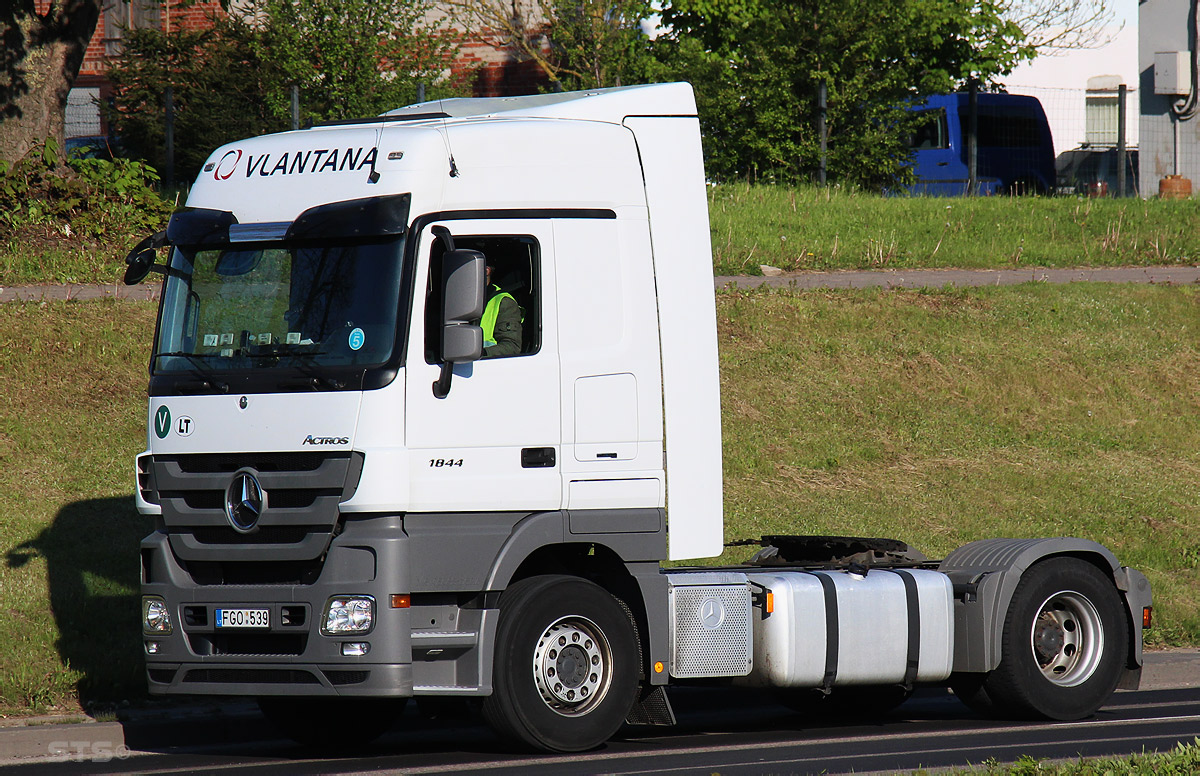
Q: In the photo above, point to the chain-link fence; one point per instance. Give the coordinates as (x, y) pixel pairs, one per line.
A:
(1086, 127)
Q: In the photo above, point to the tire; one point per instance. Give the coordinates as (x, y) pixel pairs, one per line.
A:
(1065, 643)
(332, 724)
(844, 703)
(565, 670)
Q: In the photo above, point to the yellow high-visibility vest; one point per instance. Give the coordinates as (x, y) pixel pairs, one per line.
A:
(490, 312)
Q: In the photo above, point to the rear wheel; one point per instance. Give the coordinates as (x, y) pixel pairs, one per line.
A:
(565, 672)
(332, 724)
(1064, 646)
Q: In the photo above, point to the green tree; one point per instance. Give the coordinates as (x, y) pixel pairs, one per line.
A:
(220, 91)
(350, 58)
(577, 44)
(756, 68)
(39, 61)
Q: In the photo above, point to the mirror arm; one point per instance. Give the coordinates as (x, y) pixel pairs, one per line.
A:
(441, 386)
(443, 234)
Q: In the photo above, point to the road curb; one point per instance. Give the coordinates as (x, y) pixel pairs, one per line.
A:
(75, 738)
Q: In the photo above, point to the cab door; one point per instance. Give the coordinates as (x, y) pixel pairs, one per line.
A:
(493, 442)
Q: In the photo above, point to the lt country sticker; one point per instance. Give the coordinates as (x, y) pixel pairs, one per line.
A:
(162, 422)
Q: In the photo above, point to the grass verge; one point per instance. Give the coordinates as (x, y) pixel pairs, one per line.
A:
(72, 416)
(810, 228)
(947, 416)
(806, 228)
(937, 417)
(1183, 760)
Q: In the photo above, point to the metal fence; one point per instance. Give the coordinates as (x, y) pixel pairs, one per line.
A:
(1086, 127)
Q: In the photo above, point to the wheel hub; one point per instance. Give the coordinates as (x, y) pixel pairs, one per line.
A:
(1067, 638)
(572, 665)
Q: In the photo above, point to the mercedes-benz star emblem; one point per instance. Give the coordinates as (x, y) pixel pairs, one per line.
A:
(712, 613)
(244, 502)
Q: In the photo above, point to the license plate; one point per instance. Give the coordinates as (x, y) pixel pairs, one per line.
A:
(243, 618)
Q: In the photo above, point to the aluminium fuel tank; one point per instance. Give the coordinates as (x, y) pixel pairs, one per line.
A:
(835, 628)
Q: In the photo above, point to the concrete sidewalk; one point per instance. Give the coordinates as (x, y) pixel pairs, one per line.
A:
(917, 278)
(155, 727)
(939, 278)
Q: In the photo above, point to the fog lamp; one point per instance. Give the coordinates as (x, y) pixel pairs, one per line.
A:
(155, 616)
(151, 647)
(349, 614)
(355, 649)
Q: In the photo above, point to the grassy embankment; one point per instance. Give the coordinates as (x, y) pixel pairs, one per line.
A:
(936, 417)
(824, 229)
(806, 228)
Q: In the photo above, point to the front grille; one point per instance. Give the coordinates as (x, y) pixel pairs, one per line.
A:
(145, 486)
(249, 675)
(254, 572)
(274, 534)
(195, 616)
(258, 644)
(346, 677)
(300, 505)
(298, 498)
(161, 675)
(216, 463)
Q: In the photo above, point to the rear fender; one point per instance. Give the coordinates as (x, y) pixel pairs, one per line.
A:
(986, 573)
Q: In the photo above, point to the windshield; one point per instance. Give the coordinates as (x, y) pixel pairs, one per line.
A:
(278, 305)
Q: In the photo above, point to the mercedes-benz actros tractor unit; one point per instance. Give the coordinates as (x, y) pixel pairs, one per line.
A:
(357, 501)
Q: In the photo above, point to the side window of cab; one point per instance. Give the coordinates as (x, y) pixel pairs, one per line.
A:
(512, 317)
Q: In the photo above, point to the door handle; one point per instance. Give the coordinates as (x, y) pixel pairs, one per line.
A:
(537, 457)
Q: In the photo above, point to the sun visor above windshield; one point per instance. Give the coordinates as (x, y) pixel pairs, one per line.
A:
(199, 226)
(368, 217)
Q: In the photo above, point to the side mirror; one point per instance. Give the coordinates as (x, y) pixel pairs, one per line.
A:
(463, 278)
(140, 261)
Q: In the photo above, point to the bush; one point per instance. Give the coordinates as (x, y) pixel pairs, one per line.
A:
(78, 199)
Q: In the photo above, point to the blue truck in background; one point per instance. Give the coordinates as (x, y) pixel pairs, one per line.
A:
(1015, 149)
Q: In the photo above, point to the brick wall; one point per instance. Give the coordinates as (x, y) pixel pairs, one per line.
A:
(140, 12)
(485, 64)
(493, 70)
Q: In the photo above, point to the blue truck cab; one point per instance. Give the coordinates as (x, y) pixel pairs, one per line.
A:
(1015, 149)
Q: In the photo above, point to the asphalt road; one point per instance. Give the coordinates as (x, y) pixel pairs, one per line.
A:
(720, 731)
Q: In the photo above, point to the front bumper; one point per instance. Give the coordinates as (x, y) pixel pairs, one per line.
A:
(292, 656)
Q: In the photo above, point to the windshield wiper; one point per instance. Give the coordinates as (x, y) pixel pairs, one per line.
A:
(306, 362)
(199, 367)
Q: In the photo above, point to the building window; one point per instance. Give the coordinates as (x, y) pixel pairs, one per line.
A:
(122, 15)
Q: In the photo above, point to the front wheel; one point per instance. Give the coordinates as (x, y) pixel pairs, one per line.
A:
(565, 672)
(1064, 646)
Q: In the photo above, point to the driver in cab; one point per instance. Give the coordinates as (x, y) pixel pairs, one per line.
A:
(501, 321)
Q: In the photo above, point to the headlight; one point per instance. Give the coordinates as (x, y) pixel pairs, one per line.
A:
(155, 616)
(349, 614)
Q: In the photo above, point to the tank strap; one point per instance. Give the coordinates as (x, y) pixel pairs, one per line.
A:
(914, 625)
(832, 646)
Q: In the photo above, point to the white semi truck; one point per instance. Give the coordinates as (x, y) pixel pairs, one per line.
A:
(353, 507)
